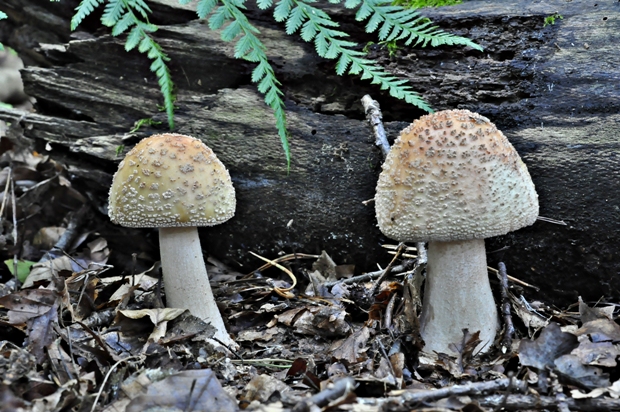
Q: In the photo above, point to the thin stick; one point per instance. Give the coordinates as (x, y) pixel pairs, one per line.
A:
(107, 376)
(284, 292)
(515, 280)
(15, 240)
(373, 115)
(550, 220)
(476, 388)
(538, 402)
(75, 224)
(509, 328)
(375, 286)
(6, 191)
(340, 388)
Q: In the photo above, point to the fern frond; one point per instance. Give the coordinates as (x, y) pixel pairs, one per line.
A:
(2, 17)
(83, 10)
(399, 23)
(204, 8)
(122, 15)
(331, 43)
(112, 12)
(250, 48)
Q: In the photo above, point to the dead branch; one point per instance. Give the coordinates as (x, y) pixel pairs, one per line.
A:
(373, 115)
(476, 388)
(367, 276)
(527, 402)
(339, 389)
(509, 328)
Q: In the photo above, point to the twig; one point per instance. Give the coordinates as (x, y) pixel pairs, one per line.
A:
(476, 388)
(363, 278)
(107, 376)
(515, 280)
(15, 240)
(284, 292)
(386, 357)
(550, 220)
(6, 191)
(389, 310)
(75, 223)
(340, 388)
(373, 115)
(422, 258)
(535, 402)
(509, 328)
(375, 286)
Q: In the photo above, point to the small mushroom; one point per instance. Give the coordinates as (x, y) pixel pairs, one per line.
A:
(176, 183)
(452, 179)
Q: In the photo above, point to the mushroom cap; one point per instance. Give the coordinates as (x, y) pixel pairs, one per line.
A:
(171, 180)
(450, 176)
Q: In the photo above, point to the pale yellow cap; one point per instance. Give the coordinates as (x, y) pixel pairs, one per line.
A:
(171, 180)
(452, 175)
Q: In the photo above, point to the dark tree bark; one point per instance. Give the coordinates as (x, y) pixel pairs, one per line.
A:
(552, 90)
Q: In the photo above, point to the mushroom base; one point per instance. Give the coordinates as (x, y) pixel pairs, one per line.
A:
(457, 296)
(186, 281)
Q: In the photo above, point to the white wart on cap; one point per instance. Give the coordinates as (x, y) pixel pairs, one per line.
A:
(171, 180)
(452, 175)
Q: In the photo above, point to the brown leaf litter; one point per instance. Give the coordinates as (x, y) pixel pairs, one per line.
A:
(82, 334)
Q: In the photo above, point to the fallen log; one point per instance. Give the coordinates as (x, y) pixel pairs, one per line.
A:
(552, 90)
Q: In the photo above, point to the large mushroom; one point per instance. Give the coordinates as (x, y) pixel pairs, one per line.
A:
(452, 179)
(176, 183)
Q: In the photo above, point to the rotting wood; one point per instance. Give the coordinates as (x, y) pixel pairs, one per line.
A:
(554, 98)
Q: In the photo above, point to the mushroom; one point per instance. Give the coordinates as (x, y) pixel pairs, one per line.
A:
(452, 179)
(176, 183)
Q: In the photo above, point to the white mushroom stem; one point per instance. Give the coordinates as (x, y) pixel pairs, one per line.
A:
(457, 295)
(185, 277)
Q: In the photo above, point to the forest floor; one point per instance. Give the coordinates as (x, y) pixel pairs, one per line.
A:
(76, 334)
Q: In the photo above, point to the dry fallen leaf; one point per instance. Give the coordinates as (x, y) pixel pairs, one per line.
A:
(551, 344)
(262, 387)
(191, 390)
(352, 349)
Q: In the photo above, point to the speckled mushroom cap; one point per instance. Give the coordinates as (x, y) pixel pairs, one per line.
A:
(452, 175)
(171, 180)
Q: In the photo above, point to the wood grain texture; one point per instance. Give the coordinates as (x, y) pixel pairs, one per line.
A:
(554, 92)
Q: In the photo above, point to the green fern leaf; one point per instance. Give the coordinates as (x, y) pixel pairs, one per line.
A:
(219, 17)
(351, 4)
(123, 25)
(231, 31)
(112, 13)
(282, 10)
(295, 19)
(134, 38)
(205, 7)
(264, 4)
(141, 7)
(83, 10)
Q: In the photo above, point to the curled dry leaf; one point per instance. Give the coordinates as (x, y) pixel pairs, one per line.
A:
(589, 376)
(600, 330)
(352, 349)
(262, 387)
(551, 344)
(28, 304)
(191, 390)
(15, 363)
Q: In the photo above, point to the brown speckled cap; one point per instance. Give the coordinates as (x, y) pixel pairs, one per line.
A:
(171, 180)
(452, 175)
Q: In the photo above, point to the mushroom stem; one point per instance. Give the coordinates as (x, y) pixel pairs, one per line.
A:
(457, 295)
(185, 277)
